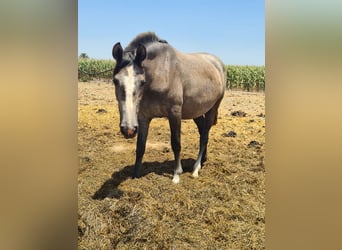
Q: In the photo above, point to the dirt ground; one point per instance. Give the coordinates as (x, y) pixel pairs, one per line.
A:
(222, 209)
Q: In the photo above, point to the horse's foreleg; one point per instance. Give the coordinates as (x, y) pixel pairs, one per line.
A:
(141, 145)
(175, 127)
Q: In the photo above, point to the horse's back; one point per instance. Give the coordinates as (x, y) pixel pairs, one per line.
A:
(203, 79)
(217, 63)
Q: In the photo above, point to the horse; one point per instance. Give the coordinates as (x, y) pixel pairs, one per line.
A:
(152, 79)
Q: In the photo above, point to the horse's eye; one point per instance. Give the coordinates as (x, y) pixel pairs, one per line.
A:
(142, 82)
(115, 81)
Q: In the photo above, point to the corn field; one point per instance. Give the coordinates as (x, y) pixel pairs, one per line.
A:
(247, 78)
(90, 69)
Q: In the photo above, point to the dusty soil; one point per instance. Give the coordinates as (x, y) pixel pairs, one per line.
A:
(222, 209)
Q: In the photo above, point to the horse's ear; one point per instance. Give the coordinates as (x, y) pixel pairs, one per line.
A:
(117, 52)
(140, 54)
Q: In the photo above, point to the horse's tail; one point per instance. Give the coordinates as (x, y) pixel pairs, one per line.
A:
(216, 106)
(215, 119)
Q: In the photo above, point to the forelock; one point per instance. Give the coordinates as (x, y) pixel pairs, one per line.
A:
(124, 63)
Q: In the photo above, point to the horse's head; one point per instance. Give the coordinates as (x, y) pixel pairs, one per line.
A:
(129, 80)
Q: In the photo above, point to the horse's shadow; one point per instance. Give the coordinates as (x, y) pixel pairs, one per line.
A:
(109, 188)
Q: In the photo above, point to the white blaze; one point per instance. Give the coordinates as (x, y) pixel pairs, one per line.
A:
(130, 108)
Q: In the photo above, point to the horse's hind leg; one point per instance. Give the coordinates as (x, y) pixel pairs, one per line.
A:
(204, 136)
(204, 123)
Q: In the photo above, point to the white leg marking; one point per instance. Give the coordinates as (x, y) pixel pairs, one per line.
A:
(197, 167)
(175, 179)
(179, 169)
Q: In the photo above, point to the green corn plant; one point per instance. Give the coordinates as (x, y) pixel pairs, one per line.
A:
(89, 69)
(248, 78)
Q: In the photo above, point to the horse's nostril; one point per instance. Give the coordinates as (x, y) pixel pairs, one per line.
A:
(132, 131)
(128, 132)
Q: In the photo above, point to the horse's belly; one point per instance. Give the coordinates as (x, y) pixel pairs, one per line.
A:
(192, 110)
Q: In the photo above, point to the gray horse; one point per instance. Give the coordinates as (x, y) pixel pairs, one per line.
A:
(153, 79)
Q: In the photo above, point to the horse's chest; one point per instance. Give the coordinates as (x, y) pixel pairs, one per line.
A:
(153, 108)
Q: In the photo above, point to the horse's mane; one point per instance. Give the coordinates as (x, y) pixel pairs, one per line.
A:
(145, 39)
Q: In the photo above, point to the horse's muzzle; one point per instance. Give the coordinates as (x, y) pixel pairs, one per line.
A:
(129, 132)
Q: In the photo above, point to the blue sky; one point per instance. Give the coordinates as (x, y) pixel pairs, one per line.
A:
(232, 30)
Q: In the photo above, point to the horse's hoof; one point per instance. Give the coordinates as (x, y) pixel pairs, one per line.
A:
(195, 174)
(176, 179)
